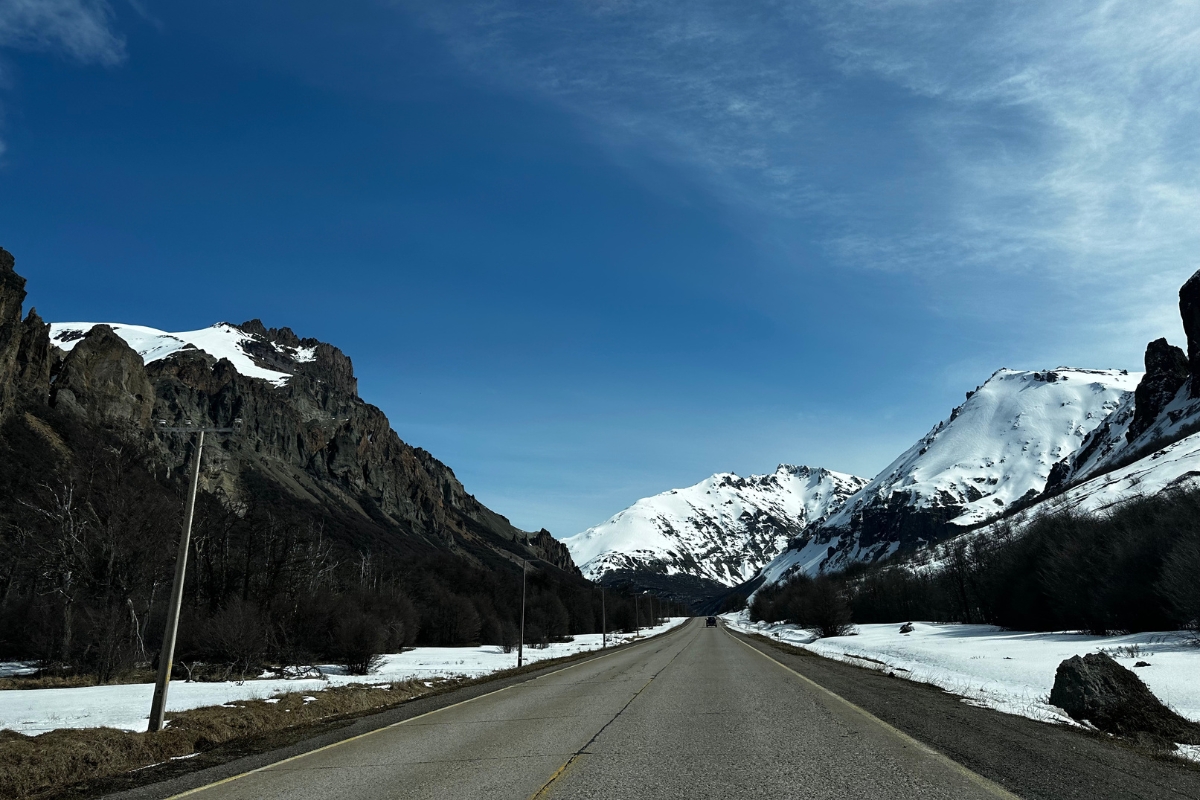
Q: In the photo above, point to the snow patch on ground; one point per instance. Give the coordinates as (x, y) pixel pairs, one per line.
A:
(1009, 671)
(127, 707)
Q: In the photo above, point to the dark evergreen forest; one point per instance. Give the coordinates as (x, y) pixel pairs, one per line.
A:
(1133, 568)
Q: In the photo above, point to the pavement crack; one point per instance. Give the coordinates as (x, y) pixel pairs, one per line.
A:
(541, 793)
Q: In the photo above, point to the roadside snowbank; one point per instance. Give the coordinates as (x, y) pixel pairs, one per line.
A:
(1010, 671)
(127, 707)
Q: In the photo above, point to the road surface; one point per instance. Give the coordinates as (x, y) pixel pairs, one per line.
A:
(694, 714)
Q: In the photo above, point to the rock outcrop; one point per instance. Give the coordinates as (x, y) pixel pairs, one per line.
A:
(322, 443)
(1166, 371)
(1164, 408)
(1189, 309)
(104, 380)
(12, 295)
(553, 551)
(1096, 689)
(303, 429)
(26, 354)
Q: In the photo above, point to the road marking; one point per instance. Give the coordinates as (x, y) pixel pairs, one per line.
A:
(307, 753)
(989, 786)
(558, 773)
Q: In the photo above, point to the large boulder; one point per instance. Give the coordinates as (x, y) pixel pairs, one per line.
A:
(104, 380)
(1166, 371)
(1097, 689)
(1189, 309)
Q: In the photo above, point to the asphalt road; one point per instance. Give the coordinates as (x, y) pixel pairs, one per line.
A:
(695, 714)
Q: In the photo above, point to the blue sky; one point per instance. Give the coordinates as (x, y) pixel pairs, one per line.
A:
(589, 251)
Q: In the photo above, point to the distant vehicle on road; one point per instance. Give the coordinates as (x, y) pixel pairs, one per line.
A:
(711, 622)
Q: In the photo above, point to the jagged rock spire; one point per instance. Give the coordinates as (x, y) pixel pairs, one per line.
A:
(1189, 310)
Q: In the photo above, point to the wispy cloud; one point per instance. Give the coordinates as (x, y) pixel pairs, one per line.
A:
(1067, 129)
(79, 29)
(1051, 140)
(704, 83)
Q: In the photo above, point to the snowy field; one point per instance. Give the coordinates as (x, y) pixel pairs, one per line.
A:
(34, 711)
(1009, 671)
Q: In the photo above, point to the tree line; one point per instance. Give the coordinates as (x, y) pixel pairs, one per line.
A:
(88, 533)
(1133, 568)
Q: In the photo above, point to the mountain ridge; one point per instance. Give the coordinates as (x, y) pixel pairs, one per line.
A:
(721, 529)
(995, 451)
(300, 422)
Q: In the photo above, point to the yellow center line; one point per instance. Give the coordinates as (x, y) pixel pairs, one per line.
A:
(308, 753)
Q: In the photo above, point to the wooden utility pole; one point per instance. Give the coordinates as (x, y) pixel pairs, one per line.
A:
(166, 656)
(603, 622)
(521, 644)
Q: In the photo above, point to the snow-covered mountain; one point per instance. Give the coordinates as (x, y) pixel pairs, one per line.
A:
(723, 529)
(1151, 442)
(995, 450)
(1162, 411)
(251, 352)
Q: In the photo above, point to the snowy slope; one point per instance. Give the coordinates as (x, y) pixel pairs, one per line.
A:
(220, 341)
(1109, 446)
(723, 528)
(1176, 465)
(995, 449)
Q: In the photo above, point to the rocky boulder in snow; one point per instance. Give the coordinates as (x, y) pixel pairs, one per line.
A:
(1096, 689)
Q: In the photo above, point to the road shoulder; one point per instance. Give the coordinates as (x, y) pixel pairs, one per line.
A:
(1028, 758)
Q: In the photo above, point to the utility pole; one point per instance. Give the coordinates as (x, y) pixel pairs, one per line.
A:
(637, 618)
(603, 622)
(521, 644)
(166, 655)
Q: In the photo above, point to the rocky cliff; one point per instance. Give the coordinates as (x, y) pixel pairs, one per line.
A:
(298, 422)
(24, 344)
(1165, 408)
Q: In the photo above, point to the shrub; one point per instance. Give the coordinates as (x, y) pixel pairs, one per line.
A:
(819, 604)
(357, 641)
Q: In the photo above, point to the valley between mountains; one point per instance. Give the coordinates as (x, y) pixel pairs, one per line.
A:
(1023, 443)
(329, 556)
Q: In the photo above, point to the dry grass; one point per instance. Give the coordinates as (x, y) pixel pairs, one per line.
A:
(50, 680)
(34, 765)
